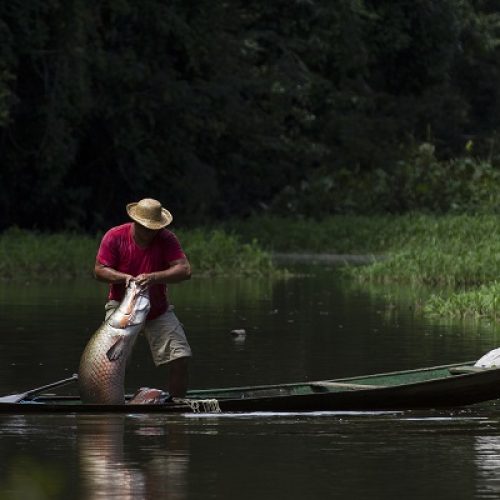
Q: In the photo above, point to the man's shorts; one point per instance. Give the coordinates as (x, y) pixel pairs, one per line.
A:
(165, 335)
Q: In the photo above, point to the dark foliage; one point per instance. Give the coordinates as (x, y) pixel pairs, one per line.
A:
(223, 108)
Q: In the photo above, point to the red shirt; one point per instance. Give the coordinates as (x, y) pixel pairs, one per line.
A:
(119, 251)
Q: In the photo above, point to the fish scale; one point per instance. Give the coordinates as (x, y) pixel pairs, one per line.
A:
(101, 373)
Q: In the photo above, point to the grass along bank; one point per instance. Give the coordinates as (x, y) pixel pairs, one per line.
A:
(461, 252)
(424, 249)
(481, 302)
(377, 234)
(27, 256)
(452, 250)
(341, 234)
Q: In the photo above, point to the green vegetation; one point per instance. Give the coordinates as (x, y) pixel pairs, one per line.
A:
(482, 302)
(460, 253)
(451, 250)
(220, 109)
(378, 234)
(335, 234)
(319, 126)
(218, 252)
(418, 183)
(27, 255)
(33, 477)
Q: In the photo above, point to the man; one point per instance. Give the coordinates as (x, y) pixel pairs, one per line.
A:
(143, 250)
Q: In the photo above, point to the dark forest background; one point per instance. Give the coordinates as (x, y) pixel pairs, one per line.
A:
(222, 109)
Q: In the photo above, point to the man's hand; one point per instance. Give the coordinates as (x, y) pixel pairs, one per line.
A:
(110, 275)
(145, 279)
(178, 271)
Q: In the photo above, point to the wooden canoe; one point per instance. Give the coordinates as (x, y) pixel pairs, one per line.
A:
(442, 386)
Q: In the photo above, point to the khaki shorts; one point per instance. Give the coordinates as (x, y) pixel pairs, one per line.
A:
(165, 335)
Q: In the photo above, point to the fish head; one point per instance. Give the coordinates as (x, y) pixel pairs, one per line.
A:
(142, 304)
(134, 307)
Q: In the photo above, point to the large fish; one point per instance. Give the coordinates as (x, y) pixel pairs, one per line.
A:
(102, 366)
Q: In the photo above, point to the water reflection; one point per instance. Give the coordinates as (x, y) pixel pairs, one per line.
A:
(311, 327)
(487, 459)
(308, 328)
(110, 465)
(412, 455)
(29, 477)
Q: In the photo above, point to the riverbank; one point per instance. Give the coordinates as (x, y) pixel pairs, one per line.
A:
(459, 252)
(325, 258)
(28, 256)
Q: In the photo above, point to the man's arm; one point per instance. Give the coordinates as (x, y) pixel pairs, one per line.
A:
(179, 270)
(110, 275)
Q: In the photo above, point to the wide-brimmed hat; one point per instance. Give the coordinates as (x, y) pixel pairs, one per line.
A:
(149, 213)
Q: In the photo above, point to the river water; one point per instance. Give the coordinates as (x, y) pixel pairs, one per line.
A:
(310, 327)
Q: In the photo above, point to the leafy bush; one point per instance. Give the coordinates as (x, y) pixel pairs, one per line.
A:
(421, 183)
(214, 107)
(28, 255)
(218, 252)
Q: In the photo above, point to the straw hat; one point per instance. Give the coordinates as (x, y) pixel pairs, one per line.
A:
(149, 213)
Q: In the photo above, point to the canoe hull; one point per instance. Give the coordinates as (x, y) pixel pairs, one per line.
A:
(427, 388)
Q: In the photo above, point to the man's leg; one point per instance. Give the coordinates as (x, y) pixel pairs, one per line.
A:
(169, 346)
(178, 377)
